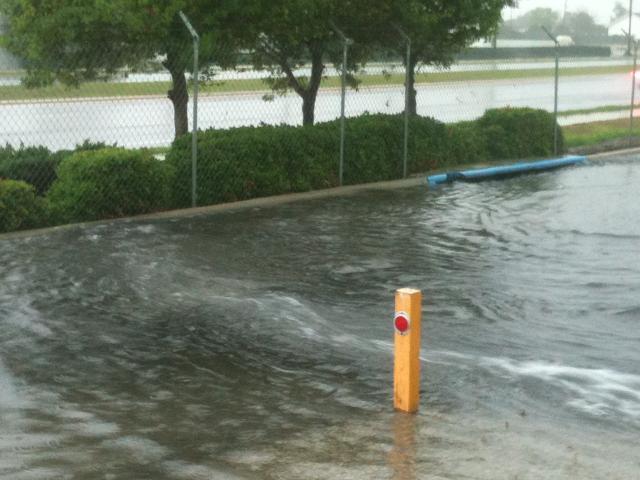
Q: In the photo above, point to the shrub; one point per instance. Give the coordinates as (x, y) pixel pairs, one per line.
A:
(108, 183)
(429, 144)
(34, 165)
(514, 133)
(249, 162)
(466, 143)
(20, 208)
(37, 165)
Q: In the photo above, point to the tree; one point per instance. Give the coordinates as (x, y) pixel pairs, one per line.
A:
(582, 27)
(75, 41)
(284, 36)
(530, 22)
(619, 11)
(538, 17)
(440, 29)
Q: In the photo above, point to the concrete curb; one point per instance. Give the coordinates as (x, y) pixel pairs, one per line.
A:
(613, 153)
(262, 202)
(266, 202)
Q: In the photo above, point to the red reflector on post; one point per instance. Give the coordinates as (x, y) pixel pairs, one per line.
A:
(401, 323)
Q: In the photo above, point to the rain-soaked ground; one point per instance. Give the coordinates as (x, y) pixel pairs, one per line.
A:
(256, 344)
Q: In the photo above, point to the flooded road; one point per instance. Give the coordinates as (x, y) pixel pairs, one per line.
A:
(257, 344)
(148, 121)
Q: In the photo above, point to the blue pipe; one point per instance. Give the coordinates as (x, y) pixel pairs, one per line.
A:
(478, 174)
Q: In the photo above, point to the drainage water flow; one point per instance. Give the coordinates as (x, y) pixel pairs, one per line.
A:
(257, 344)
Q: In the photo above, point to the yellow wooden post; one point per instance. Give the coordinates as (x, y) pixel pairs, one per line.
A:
(406, 368)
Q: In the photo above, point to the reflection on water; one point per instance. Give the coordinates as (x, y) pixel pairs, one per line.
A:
(257, 344)
(403, 455)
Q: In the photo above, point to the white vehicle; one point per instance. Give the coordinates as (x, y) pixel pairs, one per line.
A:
(565, 41)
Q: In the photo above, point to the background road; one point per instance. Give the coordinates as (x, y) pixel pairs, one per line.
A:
(148, 121)
(247, 73)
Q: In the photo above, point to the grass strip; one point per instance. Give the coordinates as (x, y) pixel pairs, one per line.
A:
(602, 109)
(11, 73)
(585, 134)
(106, 89)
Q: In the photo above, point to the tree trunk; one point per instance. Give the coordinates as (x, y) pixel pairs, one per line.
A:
(311, 92)
(308, 108)
(411, 88)
(179, 96)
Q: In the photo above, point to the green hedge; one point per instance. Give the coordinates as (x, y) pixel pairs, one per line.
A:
(467, 143)
(108, 183)
(250, 162)
(514, 133)
(34, 165)
(37, 165)
(20, 208)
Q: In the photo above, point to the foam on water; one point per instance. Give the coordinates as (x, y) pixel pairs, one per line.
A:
(16, 309)
(9, 398)
(23, 316)
(190, 471)
(142, 449)
(596, 391)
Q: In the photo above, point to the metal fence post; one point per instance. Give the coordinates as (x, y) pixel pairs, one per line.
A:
(555, 102)
(405, 151)
(555, 94)
(194, 135)
(633, 88)
(629, 39)
(345, 50)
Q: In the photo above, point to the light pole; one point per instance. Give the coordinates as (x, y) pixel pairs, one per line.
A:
(633, 87)
(555, 94)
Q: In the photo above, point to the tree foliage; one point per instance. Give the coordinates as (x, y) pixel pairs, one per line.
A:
(439, 29)
(532, 20)
(582, 27)
(284, 36)
(619, 11)
(74, 41)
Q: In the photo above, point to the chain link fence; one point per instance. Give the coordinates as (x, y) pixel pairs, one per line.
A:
(133, 110)
(250, 142)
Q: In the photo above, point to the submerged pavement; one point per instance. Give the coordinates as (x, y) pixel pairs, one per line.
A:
(257, 343)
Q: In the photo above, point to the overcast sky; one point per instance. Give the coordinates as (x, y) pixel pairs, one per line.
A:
(601, 10)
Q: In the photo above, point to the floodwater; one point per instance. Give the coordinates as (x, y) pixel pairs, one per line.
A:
(148, 121)
(257, 344)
